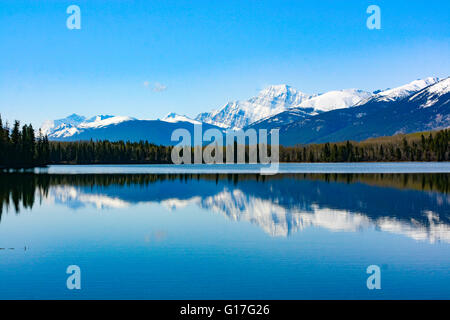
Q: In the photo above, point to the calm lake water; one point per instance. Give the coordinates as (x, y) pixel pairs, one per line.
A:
(140, 235)
(365, 167)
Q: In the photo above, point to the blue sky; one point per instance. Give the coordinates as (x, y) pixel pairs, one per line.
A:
(205, 53)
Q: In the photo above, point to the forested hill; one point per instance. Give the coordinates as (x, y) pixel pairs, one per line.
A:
(426, 146)
(20, 147)
(419, 146)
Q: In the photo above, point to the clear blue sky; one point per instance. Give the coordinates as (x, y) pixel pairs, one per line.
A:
(206, 52)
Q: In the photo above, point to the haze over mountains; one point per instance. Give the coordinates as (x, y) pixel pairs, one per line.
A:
(349, 114)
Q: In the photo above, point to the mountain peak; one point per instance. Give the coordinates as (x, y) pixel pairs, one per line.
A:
(175, 117)
(171, 115)
(407, 89)
(269, 101)
(282, 92)
(72, 120)
(432, 93)
(99, 117)
(75, 123)
(336, 99)
(276, 89)
(276, 106)
(75, 116)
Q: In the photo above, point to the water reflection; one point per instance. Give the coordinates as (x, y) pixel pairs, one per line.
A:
(414, 205)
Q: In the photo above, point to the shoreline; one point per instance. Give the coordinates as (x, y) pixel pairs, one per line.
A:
(284, 168)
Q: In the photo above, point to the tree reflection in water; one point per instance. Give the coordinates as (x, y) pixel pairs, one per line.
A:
(279, 204)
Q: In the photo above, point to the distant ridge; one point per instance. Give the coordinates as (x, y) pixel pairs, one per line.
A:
(301, 118)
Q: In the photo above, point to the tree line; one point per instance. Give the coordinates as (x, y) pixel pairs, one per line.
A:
(20, 147)
(108, 152)
(22, 190)
(430, 146)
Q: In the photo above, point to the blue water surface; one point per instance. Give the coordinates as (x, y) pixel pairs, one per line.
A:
(224, 236)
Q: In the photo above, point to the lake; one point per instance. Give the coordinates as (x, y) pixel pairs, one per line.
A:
(174, 232)
(360, 167)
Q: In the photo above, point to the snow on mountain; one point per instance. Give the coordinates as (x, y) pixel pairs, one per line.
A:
(425, 110)
(403, 91)
(338, 99)
(328, 101)
(282, 119)
(102, 121)
(276, 99)
(63, 131)
(274, 107)
(50, 125)
(432, 93)
(270, 101)
(73, 124)
(174, 118)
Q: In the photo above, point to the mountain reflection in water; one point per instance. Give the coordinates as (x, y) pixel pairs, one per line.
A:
(414, 205)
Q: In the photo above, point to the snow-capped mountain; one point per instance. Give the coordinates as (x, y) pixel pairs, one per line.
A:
(115, 128)
(270, 101)
(427, 109)
(102, 121)
(328, 101)
(174, 118)
(432, 94)
(341, 99)
(50, 126)
(403, 91)
(337, 99)
(75, 124)
(274, 100)
(302, 118)
(282, 119)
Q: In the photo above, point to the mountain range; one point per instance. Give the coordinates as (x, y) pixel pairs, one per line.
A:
(348, 114)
